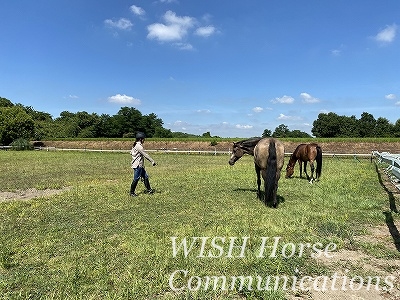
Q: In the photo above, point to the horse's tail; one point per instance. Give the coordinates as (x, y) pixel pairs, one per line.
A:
(319, 162)
(271, 172)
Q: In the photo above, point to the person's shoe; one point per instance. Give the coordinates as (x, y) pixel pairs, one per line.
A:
(147, 185)
(133, 195)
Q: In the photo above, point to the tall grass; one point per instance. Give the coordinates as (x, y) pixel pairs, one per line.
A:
(96, 242)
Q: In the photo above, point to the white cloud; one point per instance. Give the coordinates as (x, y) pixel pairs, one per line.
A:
(285, 100)
(258, 109)
(183, 46)
(123, 24)
(205, 31)
(387, 35)
(397, 103)
(391, 97)
(336, 52)
(203, 111)
(175, 29)
(163, 32)
(307, 98)
(288, 118)
(239, 126)
(138, 11)
(123, 99)
(73, 97)
(171, 18)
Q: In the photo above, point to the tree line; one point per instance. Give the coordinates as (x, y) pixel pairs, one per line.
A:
(331, 125)
(18, 121)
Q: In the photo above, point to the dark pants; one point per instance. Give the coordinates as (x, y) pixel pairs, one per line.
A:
(138, 173)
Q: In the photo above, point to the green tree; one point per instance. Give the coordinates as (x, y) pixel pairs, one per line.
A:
(326, 125)
(366, 125)
(348, 127)
(267, 133)
(299, 134)
(396, 128)
(108, 126)
(281, 131)
(150, 123)
(129, 120)
(383, 128)
(4, 102)
(15, 123)
(161, 132)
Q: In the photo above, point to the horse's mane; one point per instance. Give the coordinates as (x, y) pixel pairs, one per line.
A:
(249, 143)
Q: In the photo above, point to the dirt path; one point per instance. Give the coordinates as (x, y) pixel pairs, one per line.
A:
(386, 235)
(30, 194)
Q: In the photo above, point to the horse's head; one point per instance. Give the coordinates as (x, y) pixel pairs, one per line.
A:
(237, 153)
(289, 171)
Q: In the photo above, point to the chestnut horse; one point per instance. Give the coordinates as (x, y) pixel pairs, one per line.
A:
(304, 153)
(269, 156)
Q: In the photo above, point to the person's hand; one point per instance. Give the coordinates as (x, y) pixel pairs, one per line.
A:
(154, 163)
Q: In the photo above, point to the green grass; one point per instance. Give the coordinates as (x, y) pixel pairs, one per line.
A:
(95, 242)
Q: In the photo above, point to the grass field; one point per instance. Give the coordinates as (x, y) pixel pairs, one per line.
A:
(93, 241)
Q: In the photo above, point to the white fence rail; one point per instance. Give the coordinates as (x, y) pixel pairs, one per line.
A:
(393, 160)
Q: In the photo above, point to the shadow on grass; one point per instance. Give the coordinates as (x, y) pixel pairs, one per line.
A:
(394, 232)
(392, 199)
(279, 198)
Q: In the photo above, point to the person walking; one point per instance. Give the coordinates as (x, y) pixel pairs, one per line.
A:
(138, 155)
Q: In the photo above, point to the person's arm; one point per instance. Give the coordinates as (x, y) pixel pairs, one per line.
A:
(146, 156)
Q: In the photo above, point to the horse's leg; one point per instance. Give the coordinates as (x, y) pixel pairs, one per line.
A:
(301, 165)
(258, 181)
(305, 170)
(312, 171)
(264, 176)
(274, 197)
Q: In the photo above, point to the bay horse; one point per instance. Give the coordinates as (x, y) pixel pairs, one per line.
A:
(269, 156)
(306, 153)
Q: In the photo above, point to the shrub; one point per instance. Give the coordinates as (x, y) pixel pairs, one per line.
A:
(213, 143)
(21, 144)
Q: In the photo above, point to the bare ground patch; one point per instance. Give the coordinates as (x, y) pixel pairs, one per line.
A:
(30, 194)
(387, 236)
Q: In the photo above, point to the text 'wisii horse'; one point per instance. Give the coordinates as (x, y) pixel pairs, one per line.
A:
(269, 156)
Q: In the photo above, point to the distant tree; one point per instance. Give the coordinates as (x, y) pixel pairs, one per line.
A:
(326, 125)
(348, 126)
(267, 133)
(151, 123)
(128, 119)
(366, 125)
(383, 128)
(299, 134)
(15, 123)
(4, 102)
(396, 128)
(161, 132)
(206, 134)
(281, 131)
(36, 115)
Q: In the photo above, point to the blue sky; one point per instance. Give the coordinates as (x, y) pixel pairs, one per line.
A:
(233, 68)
